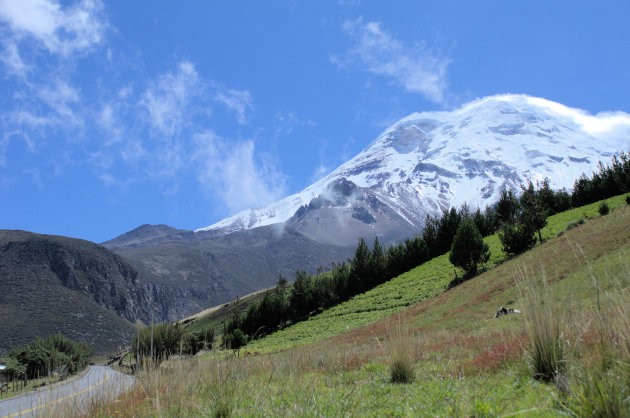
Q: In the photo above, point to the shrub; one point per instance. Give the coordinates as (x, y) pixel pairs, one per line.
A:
(235, 339)
(575, 223)
(604, 209)
(628, 199)
(167, 340)
(209, 338)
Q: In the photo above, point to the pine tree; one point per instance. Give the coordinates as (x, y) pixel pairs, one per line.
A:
(468, 249)
(360, 268)
(517, 238)
(507, 207)
(533, 209)
(378, 264)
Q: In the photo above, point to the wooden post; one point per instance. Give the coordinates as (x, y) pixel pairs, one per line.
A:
(151, 343)
(138, 352)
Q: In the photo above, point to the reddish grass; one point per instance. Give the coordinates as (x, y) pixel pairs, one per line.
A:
(495, 357)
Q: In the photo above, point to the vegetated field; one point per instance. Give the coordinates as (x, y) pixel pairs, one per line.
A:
(214, 317)
(465, 362)
(421, 283)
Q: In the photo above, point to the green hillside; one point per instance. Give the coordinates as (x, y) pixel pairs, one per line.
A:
(421, 283)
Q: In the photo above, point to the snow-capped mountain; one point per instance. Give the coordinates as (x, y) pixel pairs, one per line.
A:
(435, 160)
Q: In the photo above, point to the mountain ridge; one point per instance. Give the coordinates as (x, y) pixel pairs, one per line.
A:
(430, 161)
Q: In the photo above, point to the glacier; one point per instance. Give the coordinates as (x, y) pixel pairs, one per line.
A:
(431, 161)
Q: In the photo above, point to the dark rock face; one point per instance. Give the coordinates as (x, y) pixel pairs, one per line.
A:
(83, 267)
(363, 215)
(52, 284)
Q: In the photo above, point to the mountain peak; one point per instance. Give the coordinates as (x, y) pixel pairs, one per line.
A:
(430, 161)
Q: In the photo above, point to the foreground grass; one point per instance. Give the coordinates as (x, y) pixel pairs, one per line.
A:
(465, 362)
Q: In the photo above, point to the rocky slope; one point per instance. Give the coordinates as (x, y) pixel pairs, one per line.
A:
(54, 284)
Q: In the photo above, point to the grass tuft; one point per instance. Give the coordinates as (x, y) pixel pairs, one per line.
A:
(602, 395)
(605, 391)
(401, 365)
(544, 325)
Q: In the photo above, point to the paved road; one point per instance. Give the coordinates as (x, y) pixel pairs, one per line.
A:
(98, 382)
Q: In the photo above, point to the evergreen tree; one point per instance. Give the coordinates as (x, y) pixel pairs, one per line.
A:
(300, 300)
(360, 268)
(517, 238)
(507, 208)
(378, 264)
(533, 209)
(429, 235)
(447, 227)
(468, 249)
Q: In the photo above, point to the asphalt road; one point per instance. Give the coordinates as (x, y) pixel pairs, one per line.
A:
(64, 399)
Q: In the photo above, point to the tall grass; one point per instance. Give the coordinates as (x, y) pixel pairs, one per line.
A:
(544, 323)
(604, 391)
(220, 388)
(401, 352)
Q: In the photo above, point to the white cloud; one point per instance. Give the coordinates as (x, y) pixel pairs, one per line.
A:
(60, 96)
(235, 175)
(61, 30)
(45, 95)
(602, 123)
(167, 100)
(416, 67)
(13, 61)
(239, 101)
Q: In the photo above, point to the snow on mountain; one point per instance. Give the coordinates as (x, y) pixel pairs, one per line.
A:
(431, 161)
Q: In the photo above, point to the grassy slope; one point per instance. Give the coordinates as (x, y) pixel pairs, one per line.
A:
(214, 317)
(466, 362)
(419, 284)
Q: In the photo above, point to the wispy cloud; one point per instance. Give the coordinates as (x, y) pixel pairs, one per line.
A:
(39, 41)
(286, 122)
(239, 101)
(167, 100)
(234, 172)
(144, 130)
(60, 30)
(417, 67)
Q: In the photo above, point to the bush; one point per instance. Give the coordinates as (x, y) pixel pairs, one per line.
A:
(575, 223)
(235, 339)
(604, 209)
(55, 353)
(167, 340)
(628, 199)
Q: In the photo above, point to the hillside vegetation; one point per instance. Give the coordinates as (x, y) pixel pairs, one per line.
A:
(465, 362)
(419, 284)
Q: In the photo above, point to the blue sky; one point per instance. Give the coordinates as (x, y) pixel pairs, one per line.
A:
(117, 114)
